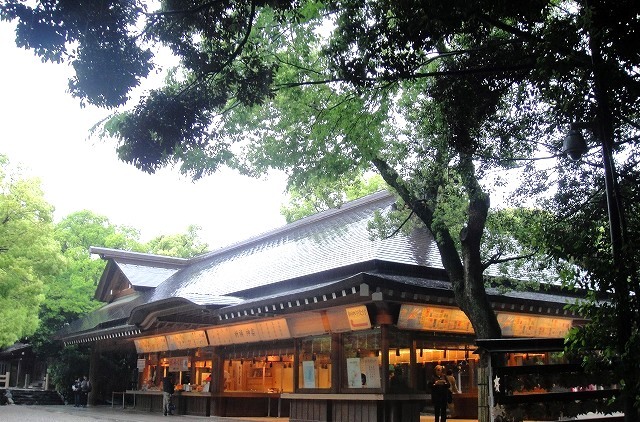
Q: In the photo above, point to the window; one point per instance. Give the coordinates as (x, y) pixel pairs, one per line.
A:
(315, 363)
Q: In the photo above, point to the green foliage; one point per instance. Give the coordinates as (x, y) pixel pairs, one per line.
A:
(183, 245)
(69, 295)
(107, 60)
(577, 237)
(29, 254)
(67, 364)
(327, 196)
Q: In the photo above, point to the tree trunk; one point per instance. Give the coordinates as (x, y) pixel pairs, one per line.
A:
(483, 388)
(465, 269)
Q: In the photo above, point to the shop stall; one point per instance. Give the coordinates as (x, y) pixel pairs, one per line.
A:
(329, 361)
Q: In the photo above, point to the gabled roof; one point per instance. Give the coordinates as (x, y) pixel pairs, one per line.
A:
(133, 270)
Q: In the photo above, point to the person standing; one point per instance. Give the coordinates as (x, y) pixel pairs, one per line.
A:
(453, 389)
(167, 390)
(85, 389)
(439, 392)
(77, 394)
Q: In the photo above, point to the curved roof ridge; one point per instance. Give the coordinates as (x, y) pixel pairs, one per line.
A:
(108, 253)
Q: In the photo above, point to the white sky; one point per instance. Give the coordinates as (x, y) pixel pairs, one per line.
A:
(44, 129)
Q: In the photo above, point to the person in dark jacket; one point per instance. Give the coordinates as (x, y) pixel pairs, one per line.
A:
(85, 389)
(77, 394)
(167, 390)
(439, 393)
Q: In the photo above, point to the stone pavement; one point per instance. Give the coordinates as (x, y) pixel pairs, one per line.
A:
(35, 413)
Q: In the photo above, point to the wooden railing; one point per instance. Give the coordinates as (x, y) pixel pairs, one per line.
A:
(4, 380)
(545, 389)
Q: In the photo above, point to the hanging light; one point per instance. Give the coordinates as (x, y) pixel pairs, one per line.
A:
(574, 146)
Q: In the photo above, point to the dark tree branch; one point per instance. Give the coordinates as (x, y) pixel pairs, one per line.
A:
(395, 232)
(192, 10)
(496, 260)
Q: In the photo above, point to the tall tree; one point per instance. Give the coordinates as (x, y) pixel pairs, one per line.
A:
(29, 254)
(70, 294)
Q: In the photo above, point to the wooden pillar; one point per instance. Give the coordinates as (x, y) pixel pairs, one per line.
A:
(384, 358)
(483, 388)
(217, 374)
(413, 366)
(93, 368)
(296, 365)
(336, 362)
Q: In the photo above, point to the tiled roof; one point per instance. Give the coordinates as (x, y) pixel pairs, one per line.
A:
(144, 275)
(329, 240)
(119, 310)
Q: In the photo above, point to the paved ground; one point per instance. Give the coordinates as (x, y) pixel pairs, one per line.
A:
(23, 413)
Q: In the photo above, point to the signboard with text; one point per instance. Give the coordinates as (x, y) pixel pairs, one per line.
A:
(308, 374)
(358, 318)
(272, 329)
(151, 344)
(434, 318)
(187, 340)
(178, 364)
(533, 326)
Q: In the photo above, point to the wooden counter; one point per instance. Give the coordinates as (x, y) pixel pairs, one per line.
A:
(186, 402)
(357, 407)
(249, 403)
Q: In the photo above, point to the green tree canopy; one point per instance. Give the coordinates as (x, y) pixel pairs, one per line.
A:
(29, 254)
(70, 293)
(325, 196)
(183, 245)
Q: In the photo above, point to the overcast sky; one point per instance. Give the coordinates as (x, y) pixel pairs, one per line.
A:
(46, 131)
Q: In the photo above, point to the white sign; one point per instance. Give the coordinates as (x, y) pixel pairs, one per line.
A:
(354, 374)
(309, 374)
(309, 324)
(273, 329)
(151, 344)
(179, 364)
(371, 369)
(433, 318)
(188, 340)
(533, 326)
(363, 372)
